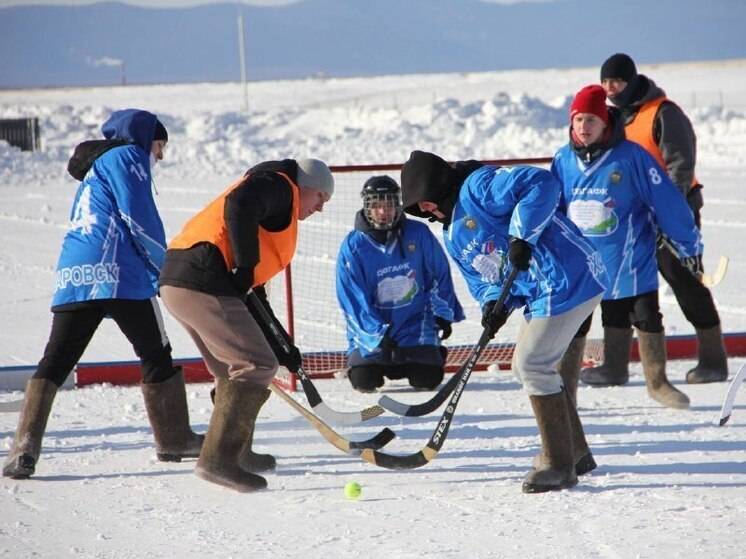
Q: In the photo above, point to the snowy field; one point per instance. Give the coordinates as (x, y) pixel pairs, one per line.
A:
(669, 483)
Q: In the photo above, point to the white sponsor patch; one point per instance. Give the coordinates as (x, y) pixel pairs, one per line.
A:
(396, 290)
(593, 217)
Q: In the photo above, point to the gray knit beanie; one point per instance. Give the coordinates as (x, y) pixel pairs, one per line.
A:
(313, 173)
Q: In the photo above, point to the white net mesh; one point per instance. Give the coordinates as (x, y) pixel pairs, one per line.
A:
(318, 325)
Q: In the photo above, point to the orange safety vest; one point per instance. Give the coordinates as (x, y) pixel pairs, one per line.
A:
(640, 131)
(276, 248)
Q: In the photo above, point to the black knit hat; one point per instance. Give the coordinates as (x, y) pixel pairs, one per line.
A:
(618, 66)
(160, 132)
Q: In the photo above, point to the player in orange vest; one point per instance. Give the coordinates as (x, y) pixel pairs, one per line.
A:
(662, 128)
(239, 241)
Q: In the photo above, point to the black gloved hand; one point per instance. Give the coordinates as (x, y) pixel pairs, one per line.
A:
(444, 326)
(519, 253)
(242, 278)
(388, 343)
(694, 265)
(291, 359)
(492, 321)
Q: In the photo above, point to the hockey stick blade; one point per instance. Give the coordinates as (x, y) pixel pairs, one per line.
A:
(330, 415)
(711, 280)
(434, 444)
(342, 443)
(438, 438)
(730, 396)
(416, 410)
(14, 405)
(314, 398)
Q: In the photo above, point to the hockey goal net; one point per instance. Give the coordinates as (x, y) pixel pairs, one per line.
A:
(304, 298)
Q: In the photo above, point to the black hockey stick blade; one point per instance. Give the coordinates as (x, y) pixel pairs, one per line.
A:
(317, 404)
(437, 439)
(381, 439)
(417, 410)
(434, 444)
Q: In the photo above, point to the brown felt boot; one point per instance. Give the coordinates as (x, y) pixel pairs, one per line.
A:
(37, 404)
(252, 461)
(168, 413)
(653, 357)
(713, 361)
(615, 369)
(569, 368)
(557, 469)
(582, 455)
(237, 405)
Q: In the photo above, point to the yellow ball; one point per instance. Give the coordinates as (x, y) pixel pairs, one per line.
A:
(353, 490)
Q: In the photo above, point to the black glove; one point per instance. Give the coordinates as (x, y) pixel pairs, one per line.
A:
(387, 343)
(694, 265)
(519, 253)
(242, 278)
(444, 326)
(291, 359)
(491, 321)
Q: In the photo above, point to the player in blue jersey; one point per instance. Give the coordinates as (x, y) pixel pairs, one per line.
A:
(395, 289)
(498, 218)
(620, 199)
(108, 267)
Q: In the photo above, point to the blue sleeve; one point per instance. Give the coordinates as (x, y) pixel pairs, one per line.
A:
(355, 297)
(536, 194)
(672, 212)
(438, 281)
(556, 171)
(128, 174)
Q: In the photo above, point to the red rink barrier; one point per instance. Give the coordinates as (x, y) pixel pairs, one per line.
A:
(128, 372)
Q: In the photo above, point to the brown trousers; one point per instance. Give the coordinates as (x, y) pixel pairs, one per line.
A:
(227, 336)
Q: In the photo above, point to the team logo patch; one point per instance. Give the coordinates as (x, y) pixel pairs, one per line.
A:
(411, 246)
(615, 177)
(470, 223)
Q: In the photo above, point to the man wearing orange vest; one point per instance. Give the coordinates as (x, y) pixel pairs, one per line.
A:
(662, 128)
(239, 241)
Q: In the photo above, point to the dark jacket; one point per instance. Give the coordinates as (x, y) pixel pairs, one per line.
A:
(264, 199)
(672, 130)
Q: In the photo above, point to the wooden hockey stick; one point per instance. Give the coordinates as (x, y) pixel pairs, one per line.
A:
(711, 280)
(345, 445)
(730, 396)
(435, 443)
(314, 398)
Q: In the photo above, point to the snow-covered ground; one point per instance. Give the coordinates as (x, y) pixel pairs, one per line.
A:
(670, 483)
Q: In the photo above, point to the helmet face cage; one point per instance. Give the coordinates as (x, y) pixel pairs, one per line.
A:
(382, 210)
(382, 204)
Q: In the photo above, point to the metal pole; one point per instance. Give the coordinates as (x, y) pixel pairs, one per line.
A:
(242, 58)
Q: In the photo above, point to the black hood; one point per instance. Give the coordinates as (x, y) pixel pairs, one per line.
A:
(425, 176)
(87, 152)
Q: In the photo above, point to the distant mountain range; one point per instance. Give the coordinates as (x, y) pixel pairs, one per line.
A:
(102, 44)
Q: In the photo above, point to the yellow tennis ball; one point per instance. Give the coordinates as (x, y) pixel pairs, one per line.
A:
(353, 490)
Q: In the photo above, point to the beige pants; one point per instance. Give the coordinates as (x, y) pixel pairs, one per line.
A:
(541, 344)
(229, 339)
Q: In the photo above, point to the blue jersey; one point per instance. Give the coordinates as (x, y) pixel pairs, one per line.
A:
(495, 204)
(116, 242)
(395, 288)
(619, 202)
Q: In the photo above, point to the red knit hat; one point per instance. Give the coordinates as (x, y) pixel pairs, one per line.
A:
(590, 99)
